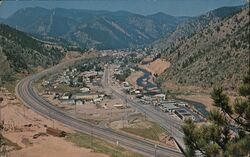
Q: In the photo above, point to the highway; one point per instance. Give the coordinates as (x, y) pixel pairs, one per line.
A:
(28, 95)
(172, 125)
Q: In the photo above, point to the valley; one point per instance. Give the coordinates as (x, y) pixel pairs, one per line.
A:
(115, 83)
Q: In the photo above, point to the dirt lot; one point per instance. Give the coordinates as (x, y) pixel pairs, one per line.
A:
(157, 67)
(133, 78)
(54, 147)
(21, 124)
(204, 99)
(105, 111)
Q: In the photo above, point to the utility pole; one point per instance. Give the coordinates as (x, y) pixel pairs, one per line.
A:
(171, 128)
(122, 121)
(110, 115)
(1, 100)
(53, 123)
(24, 111)
(75, 108)
(92, 136)
(155, 150)
(126, 107)
(123, 116)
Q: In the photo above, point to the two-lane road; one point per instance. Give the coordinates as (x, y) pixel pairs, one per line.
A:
(172, 125)
(30, 98)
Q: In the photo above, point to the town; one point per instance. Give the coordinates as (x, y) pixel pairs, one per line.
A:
(144, 78)
(80, 89)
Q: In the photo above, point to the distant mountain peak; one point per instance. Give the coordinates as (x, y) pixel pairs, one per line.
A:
(100, 29)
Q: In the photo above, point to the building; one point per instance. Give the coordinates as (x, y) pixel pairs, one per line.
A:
(45, 83)
(125, 84)
(182, 104)
(86, 97)
(160, 97)
(89, 74)
(119, 106)
(184, 114)
(168, 107)
(84, 89)
(97, 100)
(66, 96)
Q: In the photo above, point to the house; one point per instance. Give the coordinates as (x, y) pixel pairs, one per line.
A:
(45, 83)
(125, 84)
(97, 100)
(66, 96)
(137, 92)
(84, 90)
(127, 89)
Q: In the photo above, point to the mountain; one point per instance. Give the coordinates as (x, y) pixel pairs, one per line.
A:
(218, 54)
(21, 53)
(194, 25)
(100, 29)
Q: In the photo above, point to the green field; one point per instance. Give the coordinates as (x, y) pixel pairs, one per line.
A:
(100, 146)
(152, 133)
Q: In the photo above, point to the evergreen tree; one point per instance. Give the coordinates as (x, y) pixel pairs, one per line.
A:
(228, 132)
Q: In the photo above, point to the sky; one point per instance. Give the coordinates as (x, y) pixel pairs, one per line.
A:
(144, 7)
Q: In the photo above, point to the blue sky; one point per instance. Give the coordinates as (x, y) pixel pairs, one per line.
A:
(145, 7)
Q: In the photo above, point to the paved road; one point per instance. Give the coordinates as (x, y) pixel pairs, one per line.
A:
(30, 98)
(172, 125)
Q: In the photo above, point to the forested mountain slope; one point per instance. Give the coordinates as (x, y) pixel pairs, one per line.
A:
(99, 29)
(218, 54)
(21, 53)
(194, 25)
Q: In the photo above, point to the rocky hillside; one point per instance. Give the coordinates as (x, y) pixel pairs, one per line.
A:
(21, 53)
(194, 25)
(100, 29)
(218, 54)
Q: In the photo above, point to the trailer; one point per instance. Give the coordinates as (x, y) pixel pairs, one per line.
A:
(56, 132)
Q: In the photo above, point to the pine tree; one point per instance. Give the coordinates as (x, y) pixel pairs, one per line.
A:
(227, 134)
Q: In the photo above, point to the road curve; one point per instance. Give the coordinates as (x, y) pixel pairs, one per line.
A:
(28, 95)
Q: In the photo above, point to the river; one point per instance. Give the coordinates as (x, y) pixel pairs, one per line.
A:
(143, 82)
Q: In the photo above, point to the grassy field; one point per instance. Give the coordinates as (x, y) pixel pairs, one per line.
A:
(66, 88)
(11, 85)
(61, 88)
(38, 85)
(152, 133)
(100, 146)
